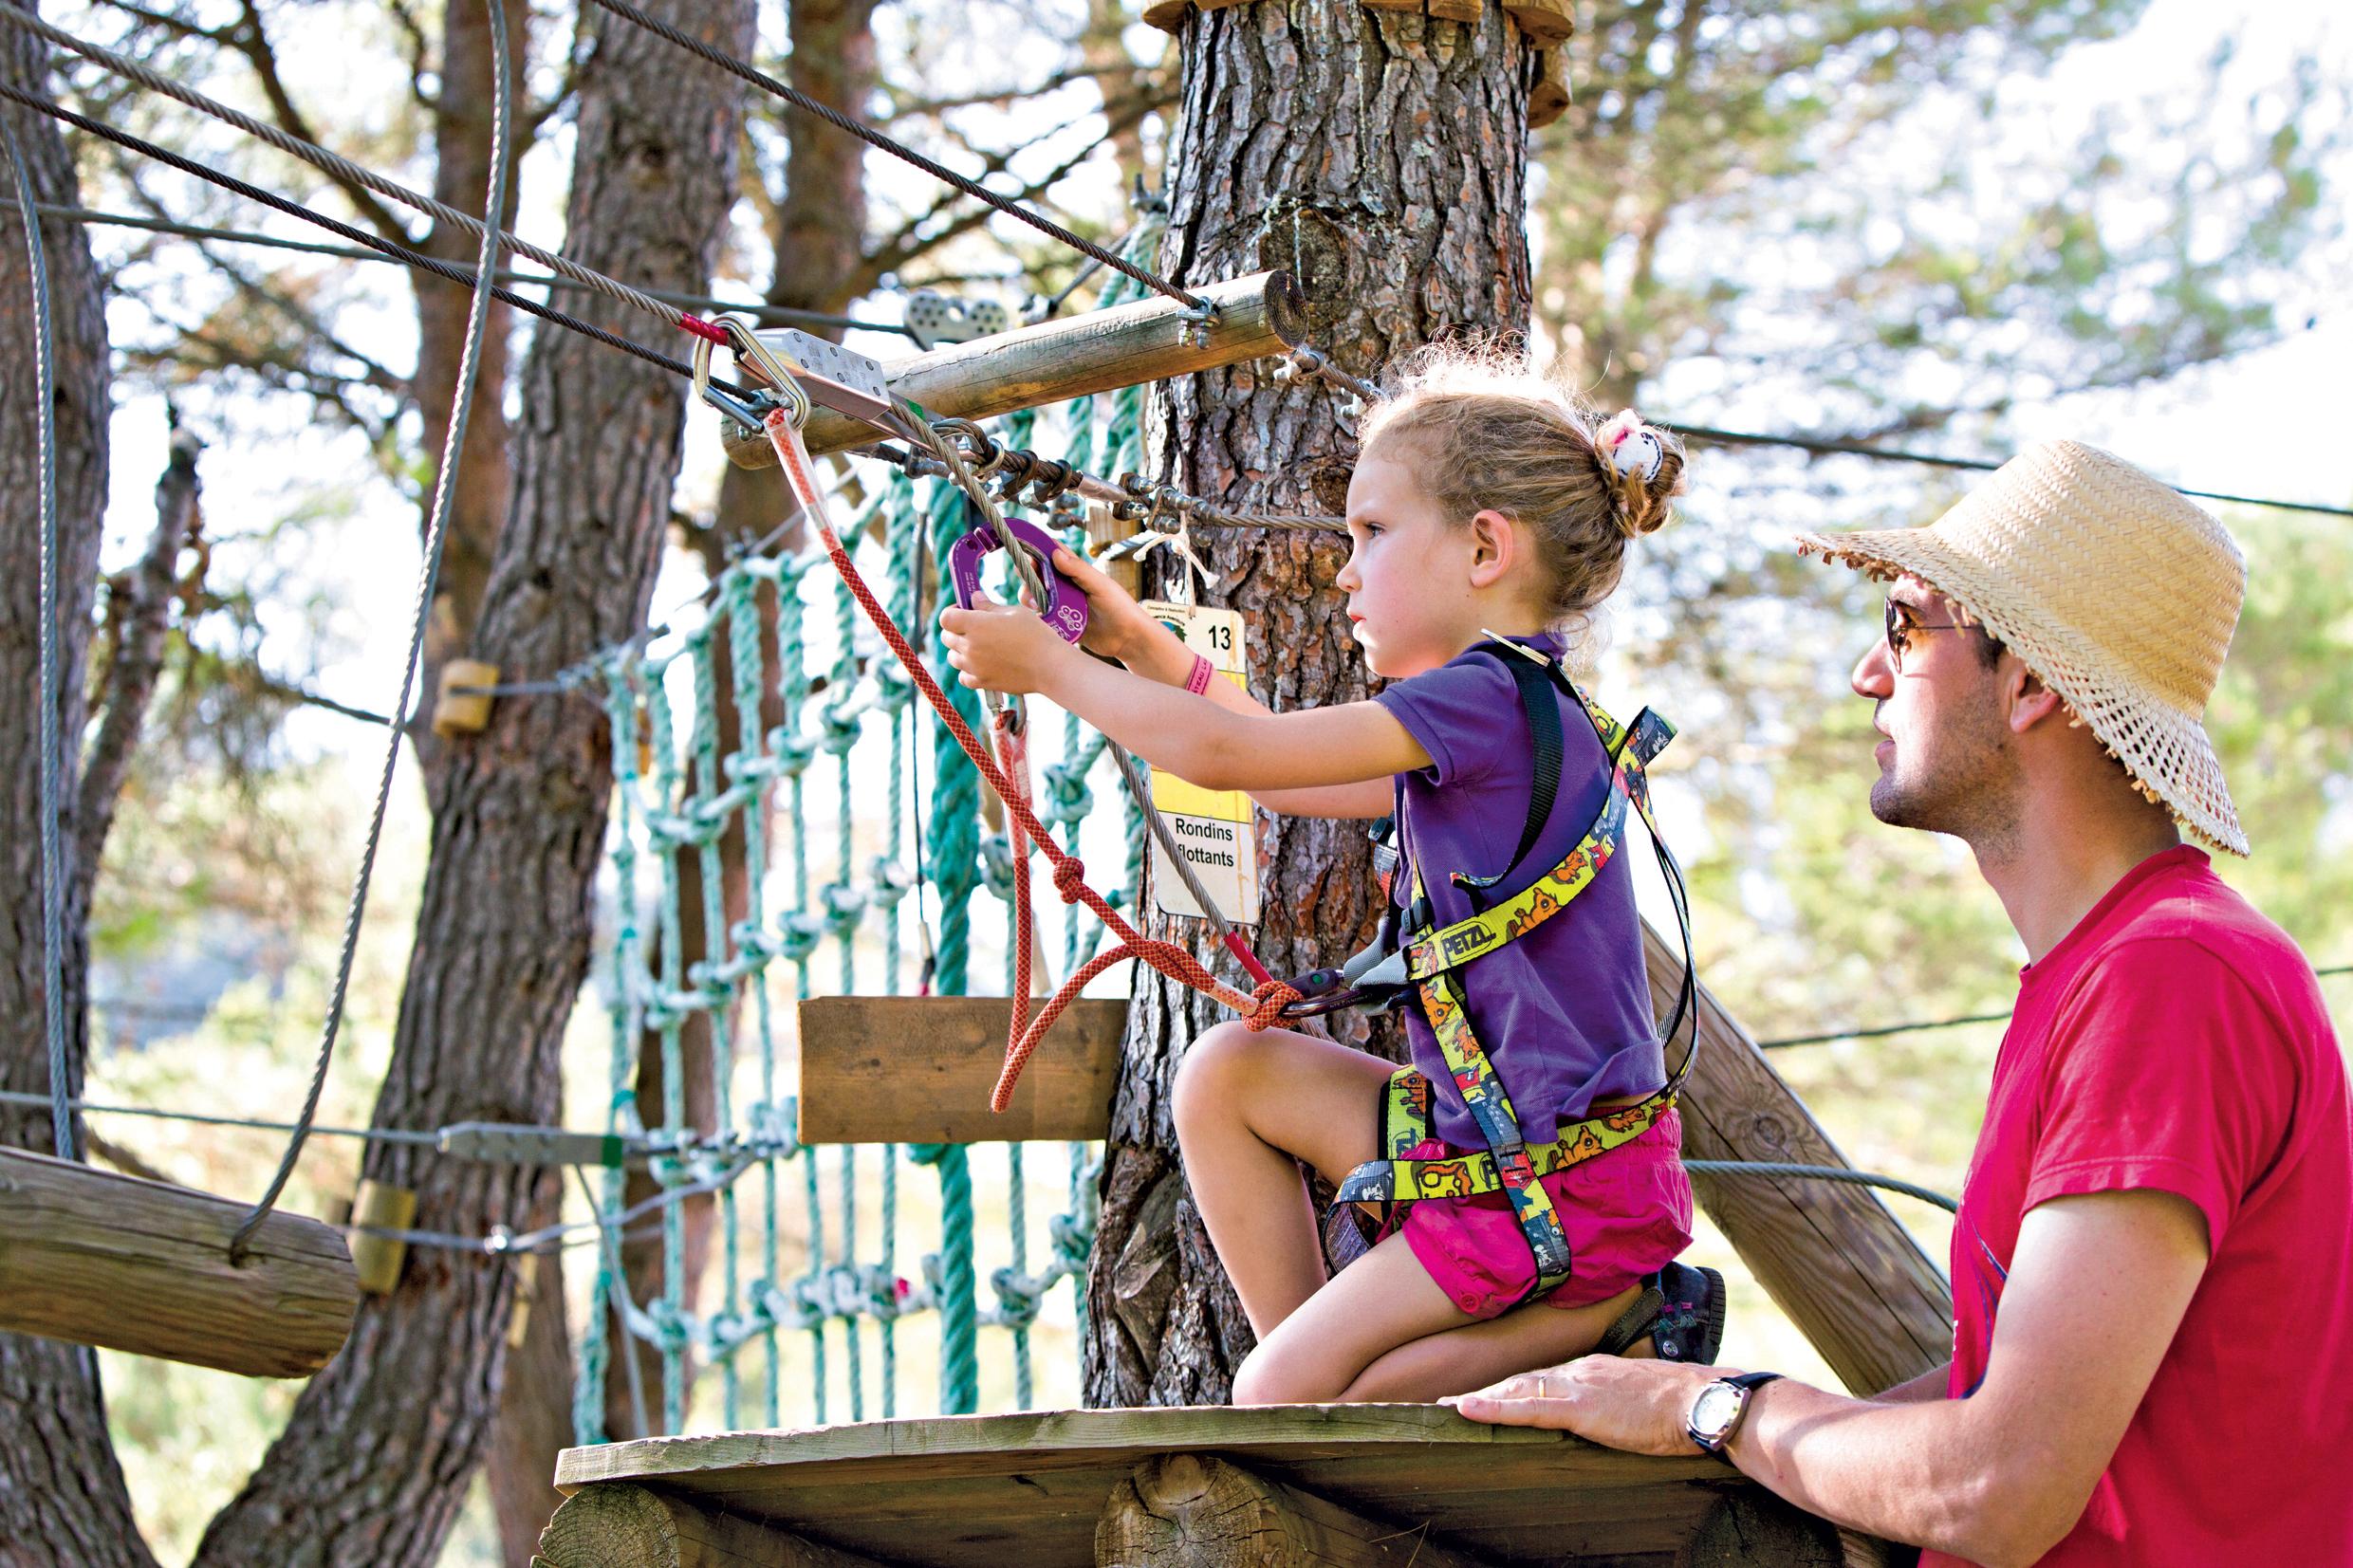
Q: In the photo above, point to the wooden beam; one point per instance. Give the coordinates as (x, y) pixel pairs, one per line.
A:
(1548, 100)
(102, 1259)
(1830, 1255)
(1053, 361)
(1751, 1528)
(618, 1525)
(1196, 1511)
(918, 1069)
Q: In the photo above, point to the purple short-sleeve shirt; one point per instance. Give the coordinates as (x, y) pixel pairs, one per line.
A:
(1565, 1012)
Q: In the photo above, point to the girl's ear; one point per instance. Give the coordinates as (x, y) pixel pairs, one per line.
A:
(1494, 548)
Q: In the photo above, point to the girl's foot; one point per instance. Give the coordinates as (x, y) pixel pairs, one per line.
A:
(1679, 1316)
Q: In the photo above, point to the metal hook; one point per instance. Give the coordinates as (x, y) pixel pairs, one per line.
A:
(783, 391)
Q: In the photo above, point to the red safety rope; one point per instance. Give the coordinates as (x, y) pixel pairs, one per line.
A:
(1260, 1008)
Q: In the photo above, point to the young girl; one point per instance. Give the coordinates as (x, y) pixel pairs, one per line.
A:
(1485, 502)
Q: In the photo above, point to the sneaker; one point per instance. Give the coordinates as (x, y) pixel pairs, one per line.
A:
(1690, 1326)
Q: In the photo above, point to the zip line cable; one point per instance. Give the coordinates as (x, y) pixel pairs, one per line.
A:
(1882, 1030)
(462, 276)
(868, 133)
(51, 742)
(785, 315)
(436, 536)
(1974, 465)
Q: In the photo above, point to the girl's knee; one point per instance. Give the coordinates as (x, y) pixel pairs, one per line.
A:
(1211, 1074)
(1271, 1379)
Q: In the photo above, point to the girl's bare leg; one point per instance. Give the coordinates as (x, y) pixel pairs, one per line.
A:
(1457, 1360)
(1383, 1300)
(1248, 1107)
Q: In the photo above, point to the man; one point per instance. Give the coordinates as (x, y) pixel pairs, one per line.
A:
(2153, 1358)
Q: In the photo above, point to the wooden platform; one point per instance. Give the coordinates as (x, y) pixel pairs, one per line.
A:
(1030, 1490)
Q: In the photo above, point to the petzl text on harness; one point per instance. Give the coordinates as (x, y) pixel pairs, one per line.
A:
(1430, 960)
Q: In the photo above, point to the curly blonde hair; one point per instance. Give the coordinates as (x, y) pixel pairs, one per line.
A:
(1488, 433)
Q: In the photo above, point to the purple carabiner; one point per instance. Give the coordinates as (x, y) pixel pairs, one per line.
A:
(1066, 603)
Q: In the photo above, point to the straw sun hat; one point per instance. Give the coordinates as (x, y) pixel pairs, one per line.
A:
(2118, 593)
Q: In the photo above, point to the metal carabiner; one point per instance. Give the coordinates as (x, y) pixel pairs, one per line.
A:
(782, 392)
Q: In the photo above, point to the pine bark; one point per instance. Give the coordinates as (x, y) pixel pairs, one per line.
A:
(62, 1494)
(374, 1464)
(1381, 157)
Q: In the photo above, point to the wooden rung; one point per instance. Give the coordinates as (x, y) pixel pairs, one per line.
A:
(1075, 356)
(379, 1257)
(918, 1069)
(1545, 22)
(1182, 1509)
(618, 1526)
(102, 1259)
(467, 712)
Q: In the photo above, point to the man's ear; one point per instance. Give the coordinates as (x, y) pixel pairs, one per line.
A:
(1495, 545)
(2028, 700)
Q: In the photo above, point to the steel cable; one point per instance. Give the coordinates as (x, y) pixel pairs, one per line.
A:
(437, 535)
(51, 696)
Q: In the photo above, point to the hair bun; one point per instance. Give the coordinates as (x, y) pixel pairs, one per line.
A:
(1644, 467)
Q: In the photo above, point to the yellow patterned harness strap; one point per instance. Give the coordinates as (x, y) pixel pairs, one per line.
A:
(1434, 959)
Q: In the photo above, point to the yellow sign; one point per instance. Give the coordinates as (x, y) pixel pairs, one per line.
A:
(1217, 829)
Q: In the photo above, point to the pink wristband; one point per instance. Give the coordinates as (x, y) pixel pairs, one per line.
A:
(1197, 682)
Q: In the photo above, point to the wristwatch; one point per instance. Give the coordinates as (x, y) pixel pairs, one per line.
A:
(1716, 1414)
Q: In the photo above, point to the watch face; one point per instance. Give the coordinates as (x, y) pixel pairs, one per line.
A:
(1714, 1410)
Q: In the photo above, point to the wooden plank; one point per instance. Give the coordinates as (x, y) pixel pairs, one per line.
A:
(103, 1259)
(1189, 1511)
(980, 1491)
(618, 1525)
(918, 1069)
(1830, 1255)
(1756, 1527)
(1466, 11)
(1126, 345)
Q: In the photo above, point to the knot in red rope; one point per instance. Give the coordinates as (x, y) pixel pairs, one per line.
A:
(1069, 878)
(1267, 1003)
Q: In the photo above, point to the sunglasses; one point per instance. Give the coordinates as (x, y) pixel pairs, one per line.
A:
(1901, 627)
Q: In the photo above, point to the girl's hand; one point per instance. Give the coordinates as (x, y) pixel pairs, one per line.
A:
(1003, 647)
(1117, 626)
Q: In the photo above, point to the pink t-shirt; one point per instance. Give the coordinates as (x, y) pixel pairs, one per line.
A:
(2176, 1040)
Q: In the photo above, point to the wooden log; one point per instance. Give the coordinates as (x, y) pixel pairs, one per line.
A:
(1753, 1528)
(1548, 100)
(618, 1526)
(1545, 22)
(1103, 528)
(918, 1069)
(1456, 10)
(1196, 1511)
(1128, 344)
(102, 1259)
(1830, 1255)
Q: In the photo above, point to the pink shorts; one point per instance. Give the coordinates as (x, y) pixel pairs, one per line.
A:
(1626, 1212)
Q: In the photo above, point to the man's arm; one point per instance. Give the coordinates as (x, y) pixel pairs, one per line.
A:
(1929, 1385)
(2096, 1291)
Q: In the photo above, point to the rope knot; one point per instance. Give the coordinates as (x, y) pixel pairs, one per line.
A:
(1267, 1003)
(1070, 878)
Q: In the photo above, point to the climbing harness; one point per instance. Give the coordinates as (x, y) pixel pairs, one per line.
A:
(1427, 961)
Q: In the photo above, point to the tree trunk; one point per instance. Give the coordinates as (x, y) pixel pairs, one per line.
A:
(61, 1496)
(1381, 157)
(374, 1464)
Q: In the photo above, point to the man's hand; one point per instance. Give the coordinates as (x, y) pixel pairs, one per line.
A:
(1638, 1406)
(1003, 647)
